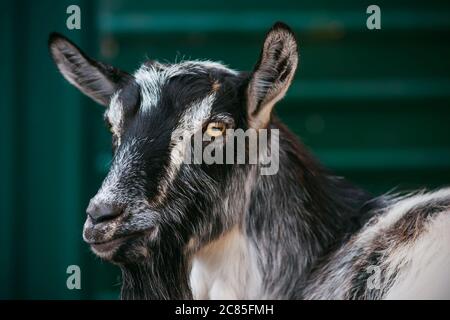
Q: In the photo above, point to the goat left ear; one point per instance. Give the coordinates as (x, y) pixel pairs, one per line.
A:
(272, 75)
(97, 80)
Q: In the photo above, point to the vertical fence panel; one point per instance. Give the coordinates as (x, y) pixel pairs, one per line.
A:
(7, 146)
(42, 187)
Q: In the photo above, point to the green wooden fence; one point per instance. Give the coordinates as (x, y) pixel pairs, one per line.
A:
(374, 106)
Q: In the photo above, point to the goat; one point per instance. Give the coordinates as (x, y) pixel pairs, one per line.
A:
(221, 231)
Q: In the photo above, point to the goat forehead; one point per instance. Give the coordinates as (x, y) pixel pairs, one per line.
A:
(165, 90)
(153, 77)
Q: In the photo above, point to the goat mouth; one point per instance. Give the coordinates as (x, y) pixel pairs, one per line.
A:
(104, 247)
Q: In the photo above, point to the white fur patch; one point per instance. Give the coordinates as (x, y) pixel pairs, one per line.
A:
(125, 161)
(397, 211)
(190, 122)
(152, 78)
(424, 264)
(226, 269)
(115, 115)
(208, 65)
(418, 268)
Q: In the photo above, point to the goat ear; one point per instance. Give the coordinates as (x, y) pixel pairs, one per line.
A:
(95, 79)
(272, 74)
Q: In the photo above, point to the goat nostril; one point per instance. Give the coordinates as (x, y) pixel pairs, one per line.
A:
(103, 212)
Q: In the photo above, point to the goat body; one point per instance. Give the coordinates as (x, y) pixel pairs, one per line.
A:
(183, 229)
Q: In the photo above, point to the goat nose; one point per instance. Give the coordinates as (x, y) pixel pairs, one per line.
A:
(100, 212)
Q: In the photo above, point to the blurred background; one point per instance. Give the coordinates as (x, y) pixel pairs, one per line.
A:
(373, 105)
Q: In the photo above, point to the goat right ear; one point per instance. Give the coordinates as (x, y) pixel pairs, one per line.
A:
(272, 75)
(95, 79)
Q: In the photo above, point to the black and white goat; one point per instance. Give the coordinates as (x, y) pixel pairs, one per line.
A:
(181, 230)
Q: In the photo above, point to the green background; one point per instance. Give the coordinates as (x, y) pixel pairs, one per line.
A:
(372, 105)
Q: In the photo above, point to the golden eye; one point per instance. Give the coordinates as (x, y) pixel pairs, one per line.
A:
(215, 129)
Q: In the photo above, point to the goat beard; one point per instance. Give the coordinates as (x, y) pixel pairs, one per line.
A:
(162, 275)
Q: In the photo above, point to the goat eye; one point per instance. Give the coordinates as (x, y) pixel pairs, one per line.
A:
(215, 129)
